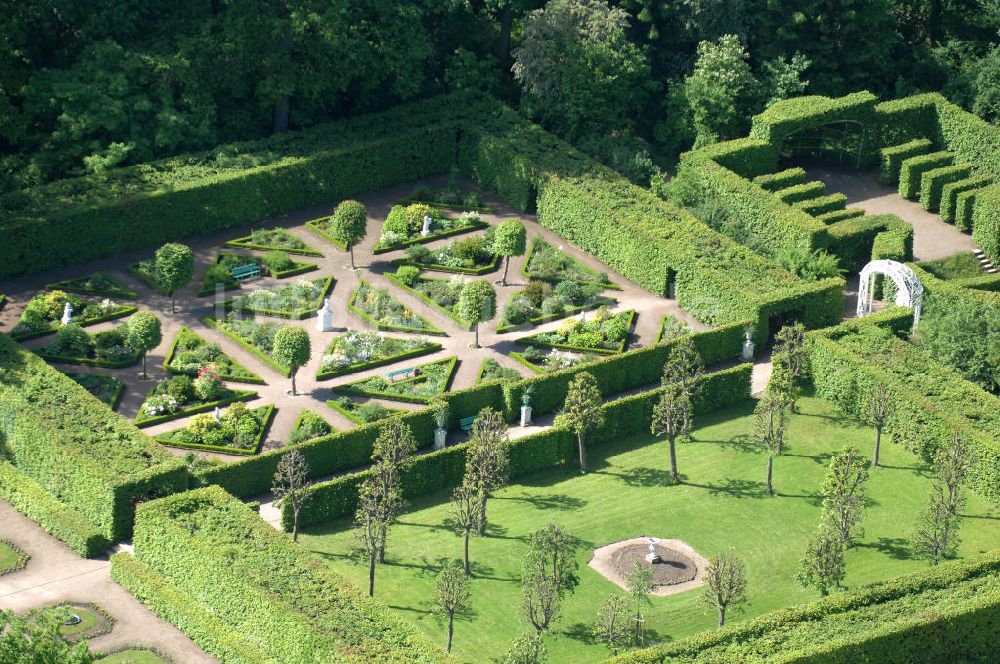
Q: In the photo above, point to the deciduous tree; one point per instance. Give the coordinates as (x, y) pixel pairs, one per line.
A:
(582, 411)
(291, 485)
(611, 625)
(935, 535)
(291, 349)
(876, 410)
(144, 334)
(768, 432)
(174, 268)
(547, 575)
(790, 351)
(672, 416)
(466, 510)
(350, 224)
(725, 583)
(391, 454)
(822, 565)
(477, 303)
(844, 494)
(720, 90)
(639, 584)
(487, 459)
(453, 596)
(509, 239)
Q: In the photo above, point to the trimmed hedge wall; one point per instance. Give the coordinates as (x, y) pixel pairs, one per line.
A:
(951, 190)
(822, 204)
(913, 169)
(781, 180)
(211, 549)
(933, 401)
(801, 192)
(932, 183)
(945, 613)
(76, 448)
(986, 221)
(57, 519)
(445, 468)
(840, 215)
(893, 158)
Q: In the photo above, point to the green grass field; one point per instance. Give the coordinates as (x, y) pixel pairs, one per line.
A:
(133, 656)
(722, 503)
(8, 556)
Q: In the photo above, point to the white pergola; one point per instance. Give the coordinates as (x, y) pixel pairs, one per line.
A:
(909, 290)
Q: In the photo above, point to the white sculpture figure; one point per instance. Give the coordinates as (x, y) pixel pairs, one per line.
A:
(67, 316)
(748, 346)
(426, 230)
(217, 414)
(324, 320)
(652, 556)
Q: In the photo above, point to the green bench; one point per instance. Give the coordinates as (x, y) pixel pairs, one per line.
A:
(242, 272)
(392, 375)
(465, 424)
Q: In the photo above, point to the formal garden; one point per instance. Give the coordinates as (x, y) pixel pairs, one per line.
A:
(434, 380)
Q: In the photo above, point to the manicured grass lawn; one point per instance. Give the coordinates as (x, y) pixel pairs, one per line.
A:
(721, 504)
(8, 556)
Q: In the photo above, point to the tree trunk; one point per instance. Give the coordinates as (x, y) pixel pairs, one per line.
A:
(722, 616)
(506, 266)
(293, 381)
(295, 525)
(467, 572)
(371, 573)
(770, 467)
(481, 526)
(673, 460)
(878, 444)
(475, 328)
(451, 628)
(583, 452)
(144, 376)
(350, 248)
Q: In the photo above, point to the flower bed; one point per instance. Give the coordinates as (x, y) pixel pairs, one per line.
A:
(441, 294)
(106, 389)
(541, 302)
(74, 345)
(256, 337)
(362, 413)
(541, 361)
(671, 328)
(471, 255)
(276, 263)
(97, 283)
(428, 381)
(43, 313)
(12, 558)
(322, 227)
(298, 300)
(448, 197)
(548, 263)
(189, 353)
(490, 369)
(179, 396)
(145, 271)
(403, 226)
(239, 430)
(309, 425)
(384, 312)
(357, 351)
(604, 333)
(274, 238)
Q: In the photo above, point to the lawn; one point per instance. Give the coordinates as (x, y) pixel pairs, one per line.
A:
(720, 504)
(134, 656)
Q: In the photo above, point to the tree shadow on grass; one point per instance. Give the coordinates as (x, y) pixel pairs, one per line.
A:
(740, 442)
(894, 547)
(823, 458)
(551, 501)
(737, 488)
(642, 476)
(920, 471)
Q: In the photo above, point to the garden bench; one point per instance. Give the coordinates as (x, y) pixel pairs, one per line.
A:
(392, 375)
(465, 424)
(242, 272)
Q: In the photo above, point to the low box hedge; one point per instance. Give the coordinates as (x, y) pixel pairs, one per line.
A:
(56, 518)
(143, 420)
(317, 226)
(431, 329)
(374, 364)
(240, 375)
(448, 313)
(424, 239)
(268, 415)
(353, 388)
(119, 312)
(295, 314)
(80, 285)
(246, 242)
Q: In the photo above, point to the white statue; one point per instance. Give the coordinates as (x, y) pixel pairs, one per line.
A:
(324, 321)
(426, 230)
(652, 557)
(748, 346)
(67, 316)
(217, 414)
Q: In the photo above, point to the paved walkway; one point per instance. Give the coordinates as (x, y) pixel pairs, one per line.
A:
(932, 236)
(56, 574)
(313, 393)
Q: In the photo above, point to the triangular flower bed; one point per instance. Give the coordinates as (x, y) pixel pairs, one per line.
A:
(547, 263)
(440, 294)
(357, 351)
(97, 283)
(362, 413)
(190, 352)
(255, 336)
(382, 311)
(106, 389)
(603, 333)
(296, 301)
(220, 273)
(155, 408)
(309, 426)
(274, 238)
(222, 437)
(425, 382)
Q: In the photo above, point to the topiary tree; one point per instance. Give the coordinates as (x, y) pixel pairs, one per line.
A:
(144, 334)
(174, 268)
(292, 349)
(582, 411)
(477, 304)
(350, 224)
(509, 239)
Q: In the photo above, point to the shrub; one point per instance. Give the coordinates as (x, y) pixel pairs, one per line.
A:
(208, 385)
(71, 341)
(277, 261)
(408, 275)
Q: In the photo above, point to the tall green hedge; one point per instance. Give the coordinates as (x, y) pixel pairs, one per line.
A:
(913, 168)
(933, 401)
(894, 156)
(946, 613)
(81, 452)
(444, 469)
(933, 181)
(253, 581)
(986, 221)
(951, 190)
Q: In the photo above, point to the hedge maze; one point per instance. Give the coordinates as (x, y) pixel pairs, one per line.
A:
(244, 592)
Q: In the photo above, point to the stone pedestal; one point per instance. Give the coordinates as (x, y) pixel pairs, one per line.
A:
(440, 435)
(324, 317)
(748, 346)
(525, 416)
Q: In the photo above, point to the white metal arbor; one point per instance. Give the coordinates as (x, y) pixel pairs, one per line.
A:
(909, 290)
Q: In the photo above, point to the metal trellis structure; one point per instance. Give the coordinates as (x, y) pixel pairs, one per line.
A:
(909, 290)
